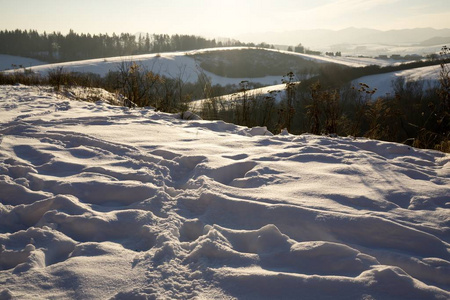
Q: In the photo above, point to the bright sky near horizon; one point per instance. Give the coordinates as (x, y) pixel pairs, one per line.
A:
(225, 18)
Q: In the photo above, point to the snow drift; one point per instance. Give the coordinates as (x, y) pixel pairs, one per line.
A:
(100, 201)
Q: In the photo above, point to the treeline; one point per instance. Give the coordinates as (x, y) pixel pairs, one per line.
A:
(56, 47)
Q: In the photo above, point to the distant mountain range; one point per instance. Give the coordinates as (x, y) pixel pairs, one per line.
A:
(322, 38)
(438, 40)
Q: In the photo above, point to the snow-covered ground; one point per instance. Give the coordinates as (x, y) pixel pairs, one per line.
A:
(384, 82)
(350, 61)
(382, 49)
(277, 92)
(183, 64)
(170, 64)
(8, 62)
(100, 202)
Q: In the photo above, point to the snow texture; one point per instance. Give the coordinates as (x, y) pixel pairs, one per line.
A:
(103, 202)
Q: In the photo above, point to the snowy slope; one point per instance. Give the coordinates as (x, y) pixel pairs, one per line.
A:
(183, 65)
(277, 92)
(7, 62)
(382, 49)
(176, 64)
(101, 202)
(384, 82)
(350, 61)
(169, 64)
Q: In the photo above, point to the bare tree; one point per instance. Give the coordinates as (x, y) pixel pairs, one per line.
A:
(138, 83)
(290, 84)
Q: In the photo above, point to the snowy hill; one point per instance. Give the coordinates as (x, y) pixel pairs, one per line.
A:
(384, 82)
(8, 62)
(100, 202)
(184, 65)
(169, 64)
(176, 64)
(277, 92)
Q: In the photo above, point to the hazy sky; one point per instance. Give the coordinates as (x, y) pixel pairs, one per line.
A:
(225, 18)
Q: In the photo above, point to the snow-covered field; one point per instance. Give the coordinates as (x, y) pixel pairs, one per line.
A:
(382, 49)
(277, 92)
(350, 61)
(384, 82)
(100, 202)
(183, 64)
(170, 64)
(8, 62)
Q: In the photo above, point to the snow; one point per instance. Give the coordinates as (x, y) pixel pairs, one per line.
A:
(7, 62)
(384, 82)
(350, 61)
(183, 65)
(375, 50)
(170, 64)
(276, 92)
(99, 201)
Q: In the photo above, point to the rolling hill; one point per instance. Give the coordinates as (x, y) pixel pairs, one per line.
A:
(262, 66)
